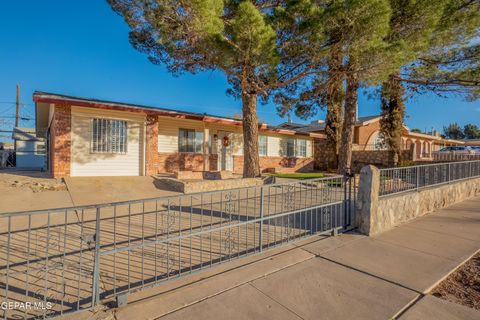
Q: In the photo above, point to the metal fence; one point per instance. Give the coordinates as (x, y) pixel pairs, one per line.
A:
(452, 156)
(66, 260)
(397, 180)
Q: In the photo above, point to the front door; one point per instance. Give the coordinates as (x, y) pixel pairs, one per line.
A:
(225, 154)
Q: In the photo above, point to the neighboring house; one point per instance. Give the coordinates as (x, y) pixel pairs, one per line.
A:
(29, 149)
(89, 137)
(472, 142)
(367, 137)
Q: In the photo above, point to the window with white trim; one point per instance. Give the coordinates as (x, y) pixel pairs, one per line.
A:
(296, 147)
(109, 136)
(190, 140)
(290, 147)
(301, 148)
(40, 148)
(262, 145)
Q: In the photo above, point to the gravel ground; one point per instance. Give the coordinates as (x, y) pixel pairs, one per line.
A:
(36, 182)
(462, 286)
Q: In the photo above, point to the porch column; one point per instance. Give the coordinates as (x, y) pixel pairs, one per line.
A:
(414, 144)
(206, 151)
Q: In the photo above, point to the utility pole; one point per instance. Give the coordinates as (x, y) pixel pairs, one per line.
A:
(17, 106)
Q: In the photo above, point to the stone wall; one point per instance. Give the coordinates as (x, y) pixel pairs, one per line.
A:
(325, 160)
(376, 214)
(277, 164)
(210, 185)
(378, 158)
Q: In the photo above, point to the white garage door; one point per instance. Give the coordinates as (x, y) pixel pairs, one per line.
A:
(106, 143)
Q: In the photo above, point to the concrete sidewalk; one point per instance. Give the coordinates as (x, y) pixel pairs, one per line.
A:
(346, 277)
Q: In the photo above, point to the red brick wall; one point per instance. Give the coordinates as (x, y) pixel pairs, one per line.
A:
(174, 162)
(151, 148)
(277, 164)
(60, 141)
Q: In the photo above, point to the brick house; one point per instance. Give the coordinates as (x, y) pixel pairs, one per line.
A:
(367, 137)
(89, 137)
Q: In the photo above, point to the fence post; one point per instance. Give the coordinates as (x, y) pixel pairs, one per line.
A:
(417, 174)
(96, 266)
(449, 172)
(366, 215)
(260, 236)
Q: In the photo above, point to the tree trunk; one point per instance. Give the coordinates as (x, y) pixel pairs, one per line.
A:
(335, 94)
(393, 113)
(251, 160)
(351, 100)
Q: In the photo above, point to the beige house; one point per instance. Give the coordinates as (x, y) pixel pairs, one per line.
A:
(89, 137)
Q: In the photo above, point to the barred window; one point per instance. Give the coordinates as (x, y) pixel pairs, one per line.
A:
(262, 145)
(190, 140)
(109, 136)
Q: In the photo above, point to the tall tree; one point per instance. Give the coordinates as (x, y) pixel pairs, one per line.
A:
(357, 55)
(471, 131)
(453, 131)
(411, 25)
(364, 26)
(452, 62)
(334, 97)
(257, 51)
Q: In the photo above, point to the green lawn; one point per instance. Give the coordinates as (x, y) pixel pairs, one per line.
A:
(300, 176)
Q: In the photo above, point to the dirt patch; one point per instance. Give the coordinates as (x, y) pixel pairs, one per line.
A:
(35, 184)
(462, 286)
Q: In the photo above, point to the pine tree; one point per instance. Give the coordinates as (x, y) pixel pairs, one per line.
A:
(411, 26)
(250, 41)
(364, 25)
(452, 62)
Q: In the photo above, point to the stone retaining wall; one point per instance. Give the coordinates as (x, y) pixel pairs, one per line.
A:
(379, 158)
(210, 185)
(376, 214)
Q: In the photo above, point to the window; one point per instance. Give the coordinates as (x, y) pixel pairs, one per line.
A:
(291, 147)
(190, 140)
(301, 148)
(296, 147)
(109, 136)
(40, 148)
(262, 145)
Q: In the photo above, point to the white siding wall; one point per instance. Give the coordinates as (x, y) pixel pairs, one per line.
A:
(86, 163)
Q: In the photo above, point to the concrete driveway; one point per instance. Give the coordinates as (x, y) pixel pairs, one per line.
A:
(97, 190)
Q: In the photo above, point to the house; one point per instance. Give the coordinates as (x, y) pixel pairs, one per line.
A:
(29, 149)
(472, 142)
(367, 137)
(90, 137)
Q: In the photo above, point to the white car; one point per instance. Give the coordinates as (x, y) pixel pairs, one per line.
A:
(457, 150)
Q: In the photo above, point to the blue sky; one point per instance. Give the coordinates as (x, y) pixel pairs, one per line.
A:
(81, 48)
